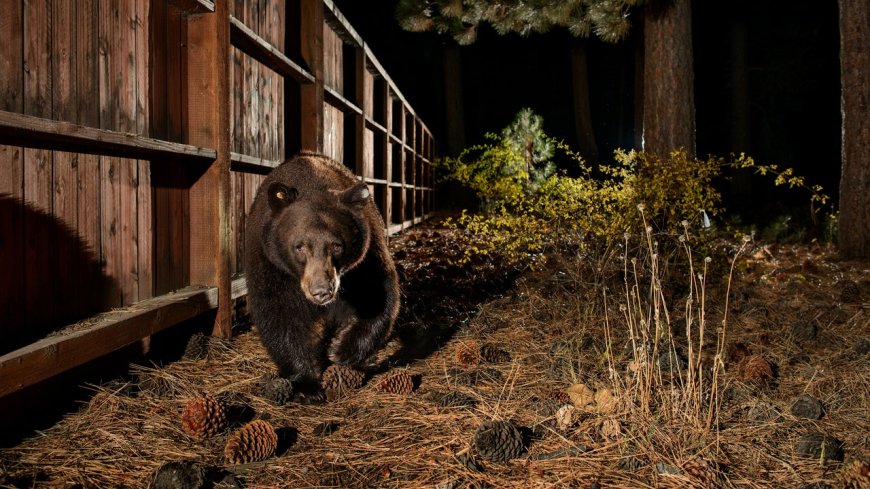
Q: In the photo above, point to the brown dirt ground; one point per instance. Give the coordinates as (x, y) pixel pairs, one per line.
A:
(787, 305)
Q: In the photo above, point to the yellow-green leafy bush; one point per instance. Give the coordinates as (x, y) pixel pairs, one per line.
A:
(529, 209)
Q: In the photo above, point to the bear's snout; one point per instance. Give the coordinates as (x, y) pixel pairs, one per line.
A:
(322, 294)
(320, 286)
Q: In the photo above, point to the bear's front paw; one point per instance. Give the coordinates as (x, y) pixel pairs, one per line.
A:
(347, 354)
(310, 396)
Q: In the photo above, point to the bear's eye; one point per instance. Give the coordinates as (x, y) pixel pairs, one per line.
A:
(300, 248)
(337, 248)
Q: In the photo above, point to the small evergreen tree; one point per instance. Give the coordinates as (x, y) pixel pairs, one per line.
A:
(526, 136)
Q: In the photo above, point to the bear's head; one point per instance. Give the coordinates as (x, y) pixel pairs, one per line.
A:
(317, 237)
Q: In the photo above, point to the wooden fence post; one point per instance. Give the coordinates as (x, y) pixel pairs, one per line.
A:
(387, 203)
(208, 125)
(363, 98)
(311, 94)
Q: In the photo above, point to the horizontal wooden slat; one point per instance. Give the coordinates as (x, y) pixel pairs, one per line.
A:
(407, 186)
(376, 181)
(195, 6)
(395, 228)
(239, 288)
(258, 48)
(109, 332)
(374, 125)
(336, 99)
(35, 132)
(372, 61)
(251, 164)
(338, 22)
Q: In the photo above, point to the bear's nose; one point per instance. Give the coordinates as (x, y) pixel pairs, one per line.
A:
(321, 294)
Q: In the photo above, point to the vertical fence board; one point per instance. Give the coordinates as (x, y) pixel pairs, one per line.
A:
(170, 180)
(123, 62)
(38, 165)
(11, 174)
(144, 209)
(311, 95)
(88, 113)
(279, 24)
(65, 164)
(365, 139)
(387, 150)
(110, 167)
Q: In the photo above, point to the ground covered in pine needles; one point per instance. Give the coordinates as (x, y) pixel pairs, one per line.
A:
(544, 378)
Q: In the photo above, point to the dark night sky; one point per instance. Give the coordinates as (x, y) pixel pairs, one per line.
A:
(793, 70)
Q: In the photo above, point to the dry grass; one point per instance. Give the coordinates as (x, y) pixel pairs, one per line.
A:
(559, 330)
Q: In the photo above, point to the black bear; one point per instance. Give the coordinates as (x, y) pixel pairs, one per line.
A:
(322, 285)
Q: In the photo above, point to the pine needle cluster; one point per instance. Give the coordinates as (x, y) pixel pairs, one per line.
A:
(609, 20)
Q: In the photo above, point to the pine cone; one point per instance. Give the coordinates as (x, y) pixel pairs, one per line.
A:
(275, 389)
(737, 352)
(819, 446)
(856, 475)
(255, 441)
(197, 347)
(498, 441)
(180, 473)
(458, 399)
(849, 291)
(755, 367)
(558, 395)
(339, 380)
(204, 417)
(494, 354)
(705, 471)
(468, 353)
(396, 383)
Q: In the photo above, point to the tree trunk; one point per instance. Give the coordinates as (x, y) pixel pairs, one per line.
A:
(854, 224)
(586, 144)
(741, 180)
(453, 100)
(669, 94)
(638, 84)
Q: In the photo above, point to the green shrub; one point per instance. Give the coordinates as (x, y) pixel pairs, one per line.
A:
(529, 209)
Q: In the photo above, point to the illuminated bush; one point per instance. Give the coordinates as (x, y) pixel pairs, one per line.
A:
(529, 209)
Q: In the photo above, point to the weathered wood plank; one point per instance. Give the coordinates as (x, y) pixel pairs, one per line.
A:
(38, 167)
(252, 164)
(363, 96)
(337, 100)
(279, 27)
(311, 95)
(87, 114)
(387, 148)
(42, 132)
(333, 132)
(258, 48)
(110, 167)
(144, 206)
(339, 22)
(11, 173)
(71, 294)
(208, 71)
(124, 67)
(194, 6)
(108, 332)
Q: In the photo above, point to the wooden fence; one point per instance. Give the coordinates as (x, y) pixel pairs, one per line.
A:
(133, 137)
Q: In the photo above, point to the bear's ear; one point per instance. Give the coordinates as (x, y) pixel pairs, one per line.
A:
(356, 196)
(280, 196)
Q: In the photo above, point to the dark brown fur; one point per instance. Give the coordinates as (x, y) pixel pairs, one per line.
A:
(321, 283)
